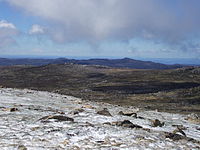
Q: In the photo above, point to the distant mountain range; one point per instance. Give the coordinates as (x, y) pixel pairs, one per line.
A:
(116, 63)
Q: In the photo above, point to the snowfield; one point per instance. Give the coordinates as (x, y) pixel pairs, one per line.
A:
(36, 120)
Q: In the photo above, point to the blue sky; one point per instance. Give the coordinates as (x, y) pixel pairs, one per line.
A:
(106, 28)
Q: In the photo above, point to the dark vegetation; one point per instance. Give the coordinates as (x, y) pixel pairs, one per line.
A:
(146, 87)
(175, 90)
(116, 63)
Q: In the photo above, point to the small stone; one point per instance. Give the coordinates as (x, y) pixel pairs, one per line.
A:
(107, 123)
(77, 111)
(78, 102)
(80, 110)
(21, 147)
(35, 128)
(100, 142)
(61, 112)
(146, 129)
(139, 117)
(13, 109)
(88, 107)
(65, 142)
(116, 144)
(104, 112)
(10, 109)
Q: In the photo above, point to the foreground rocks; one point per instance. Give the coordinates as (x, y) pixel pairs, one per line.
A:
(48, 121)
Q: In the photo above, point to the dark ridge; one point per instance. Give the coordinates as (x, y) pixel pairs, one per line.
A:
(115, 63)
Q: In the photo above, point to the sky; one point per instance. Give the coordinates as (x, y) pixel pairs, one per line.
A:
(100, 28)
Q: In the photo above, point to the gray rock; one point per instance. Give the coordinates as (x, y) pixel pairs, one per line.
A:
(21, 147)
(13, 109)
(157, 123)
(127, 124)
(179, 130)
(174, 136)
(77, 111)
(133, 114)
(57, 118)
(104, 112)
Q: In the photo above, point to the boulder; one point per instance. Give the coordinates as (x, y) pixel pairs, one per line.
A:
(133, 114)
(180, 131)
(126, 123)
(57, 118)
(157, 123)
(104, 112)
(11, 109)
(174, 136)
(77, 111)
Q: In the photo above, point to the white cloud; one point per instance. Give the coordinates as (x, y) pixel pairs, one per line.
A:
(36, 29)
(5, 24)
(96, 20)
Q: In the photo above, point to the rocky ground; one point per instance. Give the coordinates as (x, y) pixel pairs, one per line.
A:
(42, 120)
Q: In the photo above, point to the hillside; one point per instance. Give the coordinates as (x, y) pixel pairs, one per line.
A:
(176, 90)
(116, 63)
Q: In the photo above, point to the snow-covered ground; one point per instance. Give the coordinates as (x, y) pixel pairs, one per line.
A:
(24, 129)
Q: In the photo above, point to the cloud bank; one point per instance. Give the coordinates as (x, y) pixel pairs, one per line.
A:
(96, 20)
